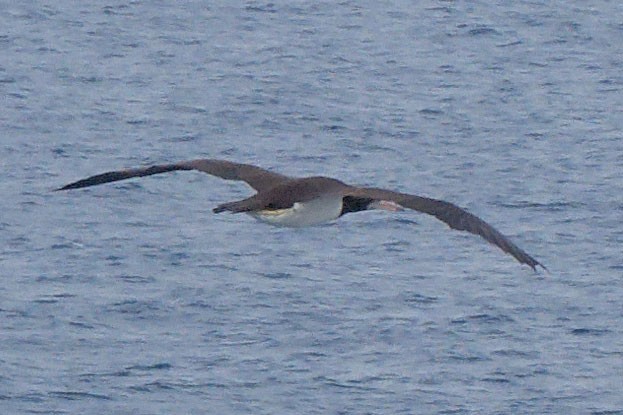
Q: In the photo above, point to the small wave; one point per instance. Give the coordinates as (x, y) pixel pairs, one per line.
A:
(155, 366)
(420, 299)
(589, 332)
(495, 380)
(276, 275)
(75, 396)
(136, 279)
(152, 386)
(483, 30)
(554, 206)
(81, 325)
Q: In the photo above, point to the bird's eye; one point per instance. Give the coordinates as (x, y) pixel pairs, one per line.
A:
(270, 206)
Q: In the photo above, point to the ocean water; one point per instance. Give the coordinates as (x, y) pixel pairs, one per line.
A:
(133, 298)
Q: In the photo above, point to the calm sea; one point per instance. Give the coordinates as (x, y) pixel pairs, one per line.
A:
(133, 298)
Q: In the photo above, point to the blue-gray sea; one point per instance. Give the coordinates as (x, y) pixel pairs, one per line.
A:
(134, 298)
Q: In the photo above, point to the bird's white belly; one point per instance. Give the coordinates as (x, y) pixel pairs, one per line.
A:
(310, 213)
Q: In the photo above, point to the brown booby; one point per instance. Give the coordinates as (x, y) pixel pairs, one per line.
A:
(288, 201)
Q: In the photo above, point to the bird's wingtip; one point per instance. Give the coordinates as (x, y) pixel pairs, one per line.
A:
(535, 267)
(74, 185)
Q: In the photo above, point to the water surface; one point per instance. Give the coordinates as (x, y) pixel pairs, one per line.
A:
(133, 298)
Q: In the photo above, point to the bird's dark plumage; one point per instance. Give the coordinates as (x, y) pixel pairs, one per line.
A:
(256, 177)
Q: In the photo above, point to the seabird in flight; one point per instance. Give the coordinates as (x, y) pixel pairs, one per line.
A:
(289, 201)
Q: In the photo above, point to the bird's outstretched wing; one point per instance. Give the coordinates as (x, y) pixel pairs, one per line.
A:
(256, 177)
(454, 216)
